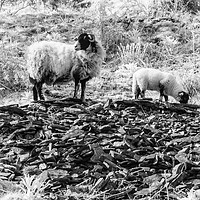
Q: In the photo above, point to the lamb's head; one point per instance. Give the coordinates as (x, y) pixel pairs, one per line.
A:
(85, 41)
(183, 97)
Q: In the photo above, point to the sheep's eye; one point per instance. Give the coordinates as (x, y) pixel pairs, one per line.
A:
(75, 39)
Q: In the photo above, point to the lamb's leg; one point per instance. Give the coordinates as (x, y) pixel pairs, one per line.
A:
(166, 98)
(137, 93)
(161, 97)
(162, 93)
(35, 88)
(142, 94)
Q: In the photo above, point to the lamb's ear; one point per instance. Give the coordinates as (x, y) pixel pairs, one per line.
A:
(180, 94)
(91, 37)
(183, 97)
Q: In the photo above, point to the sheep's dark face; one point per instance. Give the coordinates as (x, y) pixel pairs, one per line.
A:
(184, 97)
(84, 41)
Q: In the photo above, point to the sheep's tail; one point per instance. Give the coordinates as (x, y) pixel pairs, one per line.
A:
(37, 64)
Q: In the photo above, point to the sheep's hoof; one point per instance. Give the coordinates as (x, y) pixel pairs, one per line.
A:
(77, 100)
(38, 101)
(35, 101)
(147, 99)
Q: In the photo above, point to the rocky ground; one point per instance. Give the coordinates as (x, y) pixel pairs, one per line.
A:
(112, 149)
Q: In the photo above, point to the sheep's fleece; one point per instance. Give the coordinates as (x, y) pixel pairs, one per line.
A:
(52, 62)
(151, 79)
(47, 61)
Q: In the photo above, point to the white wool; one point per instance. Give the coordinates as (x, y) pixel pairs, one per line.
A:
(150, 79)
(54, 62)
(91, 61)
(50, 60)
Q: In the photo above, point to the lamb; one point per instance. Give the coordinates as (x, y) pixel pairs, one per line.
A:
(58, 63)
(154, 79)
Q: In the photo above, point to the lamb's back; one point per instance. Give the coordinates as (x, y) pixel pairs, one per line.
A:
(149, 78)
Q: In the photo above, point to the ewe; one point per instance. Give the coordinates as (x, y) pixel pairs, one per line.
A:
(57, 63)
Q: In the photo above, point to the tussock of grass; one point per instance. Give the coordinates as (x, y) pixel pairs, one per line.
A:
(32, 188)
(132, 53)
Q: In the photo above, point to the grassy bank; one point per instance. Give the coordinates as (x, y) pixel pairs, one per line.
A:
(161, 37)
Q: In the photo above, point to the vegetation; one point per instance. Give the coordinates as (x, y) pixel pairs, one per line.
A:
(163, 36)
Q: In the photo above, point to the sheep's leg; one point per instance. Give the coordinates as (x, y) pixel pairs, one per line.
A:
(35, 93)
(39, 90)
(76, 88)
(83, 87)
(136, 96)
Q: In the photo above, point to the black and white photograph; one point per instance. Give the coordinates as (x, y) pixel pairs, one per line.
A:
(99, 99)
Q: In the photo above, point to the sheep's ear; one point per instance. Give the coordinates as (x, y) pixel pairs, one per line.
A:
(91, 37)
